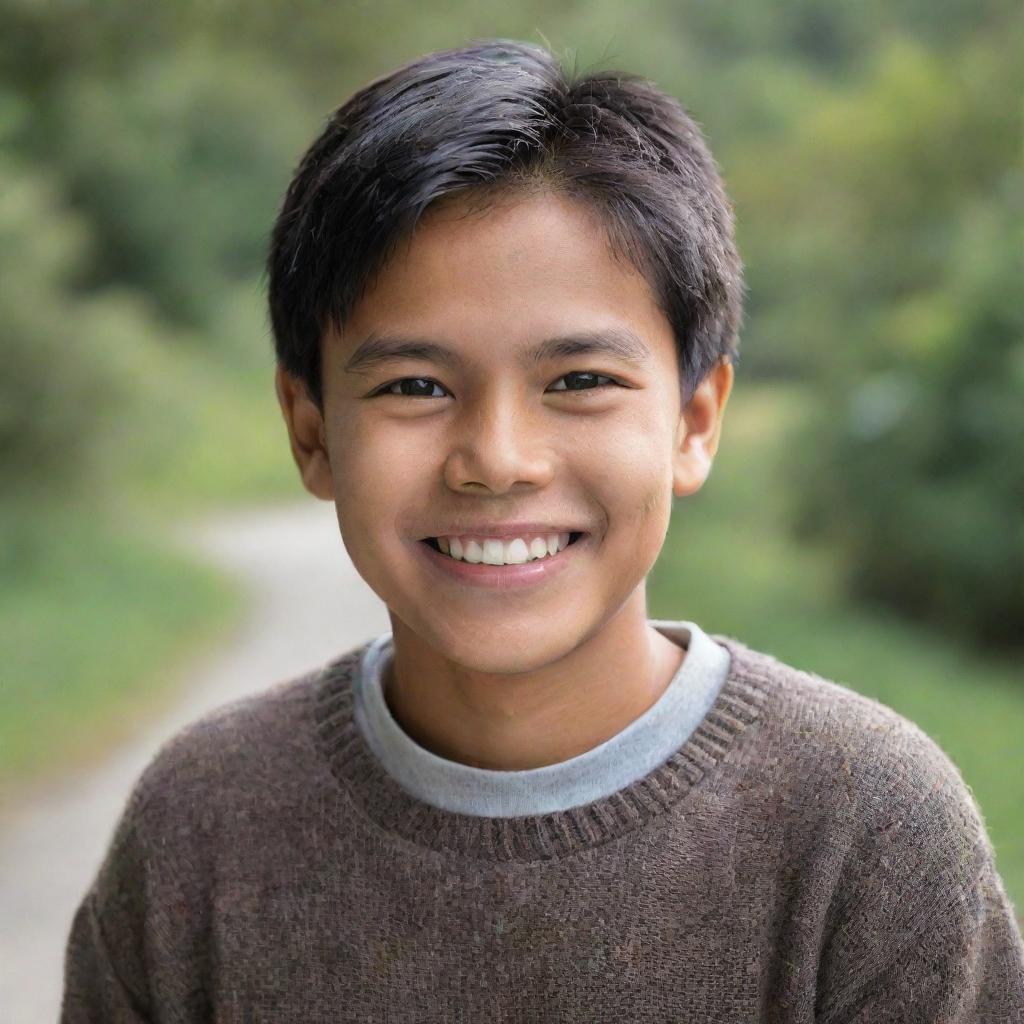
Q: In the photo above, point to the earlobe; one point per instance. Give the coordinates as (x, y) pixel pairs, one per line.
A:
(692, 468)
(700, 427)
(306, 435)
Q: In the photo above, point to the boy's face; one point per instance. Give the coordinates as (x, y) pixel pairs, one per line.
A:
(489, 436)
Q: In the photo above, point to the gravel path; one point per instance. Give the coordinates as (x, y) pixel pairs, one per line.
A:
(308, 604)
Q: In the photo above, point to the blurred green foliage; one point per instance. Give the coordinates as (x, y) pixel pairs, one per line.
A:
(913, 246)
(179, 168)
(873, 152)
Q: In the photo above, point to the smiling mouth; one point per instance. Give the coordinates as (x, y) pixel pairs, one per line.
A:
(432, 542)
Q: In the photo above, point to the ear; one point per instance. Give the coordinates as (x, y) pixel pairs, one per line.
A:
(306, 433)
(700, 425)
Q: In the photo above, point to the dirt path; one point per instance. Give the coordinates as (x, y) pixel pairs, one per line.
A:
(308, 604)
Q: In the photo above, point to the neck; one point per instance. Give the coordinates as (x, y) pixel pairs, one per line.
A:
(531, 719)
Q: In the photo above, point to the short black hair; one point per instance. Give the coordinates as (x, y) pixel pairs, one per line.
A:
(496, 115)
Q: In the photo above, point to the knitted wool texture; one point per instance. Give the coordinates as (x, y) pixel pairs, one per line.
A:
(808, 855)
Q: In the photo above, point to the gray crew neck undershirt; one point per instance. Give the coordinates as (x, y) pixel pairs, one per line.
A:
(636, 750)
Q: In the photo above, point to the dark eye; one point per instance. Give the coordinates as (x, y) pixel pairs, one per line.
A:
(411, 387)
(587, 379)
(421, 387)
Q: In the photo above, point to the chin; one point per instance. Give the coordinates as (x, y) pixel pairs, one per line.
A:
(499, 651)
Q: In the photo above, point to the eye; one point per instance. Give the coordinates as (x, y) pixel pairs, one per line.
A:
(586, 377)
(410, 387)
(421, 387)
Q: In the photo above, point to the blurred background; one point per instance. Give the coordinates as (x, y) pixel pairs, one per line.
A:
(864, 518)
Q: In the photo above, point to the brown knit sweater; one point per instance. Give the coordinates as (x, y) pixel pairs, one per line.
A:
(806, 855)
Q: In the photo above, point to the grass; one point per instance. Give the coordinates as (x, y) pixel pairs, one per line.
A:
(729, 564)
(99, 615)
(96, 622)
(231, 447)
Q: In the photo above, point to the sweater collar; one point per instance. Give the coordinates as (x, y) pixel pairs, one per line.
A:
(519, 836)
(634, 751)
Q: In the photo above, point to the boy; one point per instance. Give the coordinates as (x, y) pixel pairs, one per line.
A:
(505, 307)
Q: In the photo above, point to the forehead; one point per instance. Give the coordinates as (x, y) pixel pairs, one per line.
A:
(492, 279)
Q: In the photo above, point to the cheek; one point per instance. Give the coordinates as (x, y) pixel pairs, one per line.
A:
(636, 494)
(374, 472)
(635, 469)
(656, 507)
(648, 521)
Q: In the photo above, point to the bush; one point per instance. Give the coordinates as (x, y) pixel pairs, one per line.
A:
(916, 474)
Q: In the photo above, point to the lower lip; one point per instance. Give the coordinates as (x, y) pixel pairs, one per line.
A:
(503, 576)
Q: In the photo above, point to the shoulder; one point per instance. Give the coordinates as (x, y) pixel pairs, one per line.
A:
(882, 832)
(865, 762)
(876, 814)
(256, 751)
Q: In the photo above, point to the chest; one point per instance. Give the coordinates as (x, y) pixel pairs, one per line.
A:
(721, 929)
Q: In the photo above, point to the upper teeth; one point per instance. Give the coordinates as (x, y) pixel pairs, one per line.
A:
(492, 551)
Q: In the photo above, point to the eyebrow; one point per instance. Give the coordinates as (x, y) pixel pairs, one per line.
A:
(386, 348)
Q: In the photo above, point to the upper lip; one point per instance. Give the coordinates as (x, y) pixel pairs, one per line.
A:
(503, 530)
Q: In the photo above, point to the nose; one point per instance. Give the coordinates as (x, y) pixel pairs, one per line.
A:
(499, 444)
